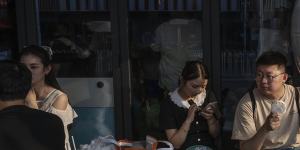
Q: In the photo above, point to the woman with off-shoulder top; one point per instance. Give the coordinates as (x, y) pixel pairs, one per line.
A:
(46, 93)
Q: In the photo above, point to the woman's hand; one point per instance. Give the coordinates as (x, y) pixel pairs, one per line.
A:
(213, 123)
(191, 113)
(208, 112)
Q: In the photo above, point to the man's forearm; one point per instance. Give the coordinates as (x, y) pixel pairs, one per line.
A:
(256, 142)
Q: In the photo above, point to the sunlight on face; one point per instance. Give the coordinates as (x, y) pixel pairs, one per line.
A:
(270, 78)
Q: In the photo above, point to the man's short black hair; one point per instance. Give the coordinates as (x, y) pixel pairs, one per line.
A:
(15, 81)
(272, 58)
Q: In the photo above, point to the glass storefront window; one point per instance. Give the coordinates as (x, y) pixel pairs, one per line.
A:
(80, 38)
(79, 33)
(163, 35)
(165, 32)
(249, 28)
(8, 35)
(295, 39)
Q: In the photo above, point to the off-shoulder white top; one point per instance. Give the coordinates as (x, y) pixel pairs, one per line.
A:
(66, 115)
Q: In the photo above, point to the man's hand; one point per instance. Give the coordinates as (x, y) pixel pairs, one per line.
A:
(272, 122)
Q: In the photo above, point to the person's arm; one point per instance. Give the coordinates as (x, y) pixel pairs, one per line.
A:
(257, 141)
(213, 123)
(210, 112)
(178, 136)
(213, 127)
(61, 102)
(156, 45)
(30, 99)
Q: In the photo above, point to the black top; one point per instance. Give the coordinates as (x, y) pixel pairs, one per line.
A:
(23, 128)
(173, 116)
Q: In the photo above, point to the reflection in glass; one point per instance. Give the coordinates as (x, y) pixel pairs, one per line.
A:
(8, 36)
(246, 32)
(73, 5)
(83, 49)
(163, 35)
(79, 33)
(178, 40)
(295, 34)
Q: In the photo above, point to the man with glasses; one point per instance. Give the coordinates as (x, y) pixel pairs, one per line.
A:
(267, 116)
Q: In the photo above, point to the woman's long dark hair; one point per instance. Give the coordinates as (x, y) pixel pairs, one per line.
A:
(46, 56)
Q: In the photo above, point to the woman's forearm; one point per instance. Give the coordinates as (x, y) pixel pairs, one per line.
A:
(213, 127)
(180, 135)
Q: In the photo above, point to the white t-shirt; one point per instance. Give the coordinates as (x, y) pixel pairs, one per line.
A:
(178, 41)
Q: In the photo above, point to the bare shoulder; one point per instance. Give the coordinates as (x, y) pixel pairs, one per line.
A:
(61, 102)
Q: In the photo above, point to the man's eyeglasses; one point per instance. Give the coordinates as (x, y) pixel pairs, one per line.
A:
(270, 78)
